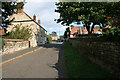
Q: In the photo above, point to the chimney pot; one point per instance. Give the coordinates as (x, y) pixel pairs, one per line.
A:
(38, 21)
(34, 18)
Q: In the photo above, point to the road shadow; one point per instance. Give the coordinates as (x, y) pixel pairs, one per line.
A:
(51, 45)
(60, 65)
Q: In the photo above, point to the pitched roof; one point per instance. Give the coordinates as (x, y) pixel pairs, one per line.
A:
(74, 30)
(28, 20)
(55, 35)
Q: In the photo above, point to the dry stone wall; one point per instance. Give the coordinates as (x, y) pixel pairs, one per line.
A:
(107, 54)
(14, 45)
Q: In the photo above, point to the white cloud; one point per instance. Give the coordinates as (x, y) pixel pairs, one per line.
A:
(45, 12)
(50, 29)
(62, 28)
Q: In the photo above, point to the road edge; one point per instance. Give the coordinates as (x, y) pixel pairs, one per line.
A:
(18, 57)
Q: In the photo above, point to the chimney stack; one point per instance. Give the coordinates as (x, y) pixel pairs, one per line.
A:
(34, 17)
(38, 21)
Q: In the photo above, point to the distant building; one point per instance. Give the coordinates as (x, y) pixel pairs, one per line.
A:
(82, 30)
(96, 30)
(74, 31)
(54, 36)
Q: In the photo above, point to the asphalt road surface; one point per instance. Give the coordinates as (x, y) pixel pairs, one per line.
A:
(44, 63)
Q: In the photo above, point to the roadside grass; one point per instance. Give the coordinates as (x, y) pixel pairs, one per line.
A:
(0, 42)
(79, 66)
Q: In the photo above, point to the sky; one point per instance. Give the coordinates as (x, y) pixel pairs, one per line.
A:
(44, 10)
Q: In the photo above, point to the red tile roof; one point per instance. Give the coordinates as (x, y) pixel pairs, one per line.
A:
(75, 30)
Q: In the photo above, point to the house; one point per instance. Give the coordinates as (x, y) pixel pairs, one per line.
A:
(2, 32)
(54, 36)
(96, 30)
(73, 31)
(82, 30)
(77, 30)
(38, 32)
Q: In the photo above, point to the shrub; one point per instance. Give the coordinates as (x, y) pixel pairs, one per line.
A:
(49, 39)
(111, 33)
(20, 32)
(2, 43)
(54, 40)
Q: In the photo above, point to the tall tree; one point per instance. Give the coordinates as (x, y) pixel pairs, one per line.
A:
(113, 13)
(67, 33)
(87, 12)
(8, 8)
(54, 32)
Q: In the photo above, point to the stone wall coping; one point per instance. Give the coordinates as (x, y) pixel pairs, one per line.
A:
(92, 39)
(14, 40)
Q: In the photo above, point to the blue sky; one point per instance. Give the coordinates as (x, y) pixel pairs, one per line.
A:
(44, 10)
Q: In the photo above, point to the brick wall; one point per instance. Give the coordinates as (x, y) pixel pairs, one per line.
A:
(12, 45)
(106, 54)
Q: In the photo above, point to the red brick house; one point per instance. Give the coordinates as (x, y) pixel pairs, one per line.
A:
(82, 30)
(74, 31)
(2, 32)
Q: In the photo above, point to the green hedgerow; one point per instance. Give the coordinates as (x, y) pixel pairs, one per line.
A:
(49, 39)
(2, 43)
(111, 33)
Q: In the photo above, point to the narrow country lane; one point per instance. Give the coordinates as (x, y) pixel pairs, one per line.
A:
(40, 64)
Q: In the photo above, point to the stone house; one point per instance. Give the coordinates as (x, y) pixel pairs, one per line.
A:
(54, 36)
(38, 32)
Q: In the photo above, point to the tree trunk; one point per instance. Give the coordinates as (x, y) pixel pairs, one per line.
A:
(88, 28)
(92, 28)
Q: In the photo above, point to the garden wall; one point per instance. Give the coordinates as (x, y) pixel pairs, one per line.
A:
(107, 54)
(12, 45)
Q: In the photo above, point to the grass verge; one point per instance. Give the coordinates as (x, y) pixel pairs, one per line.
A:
(79, 66)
